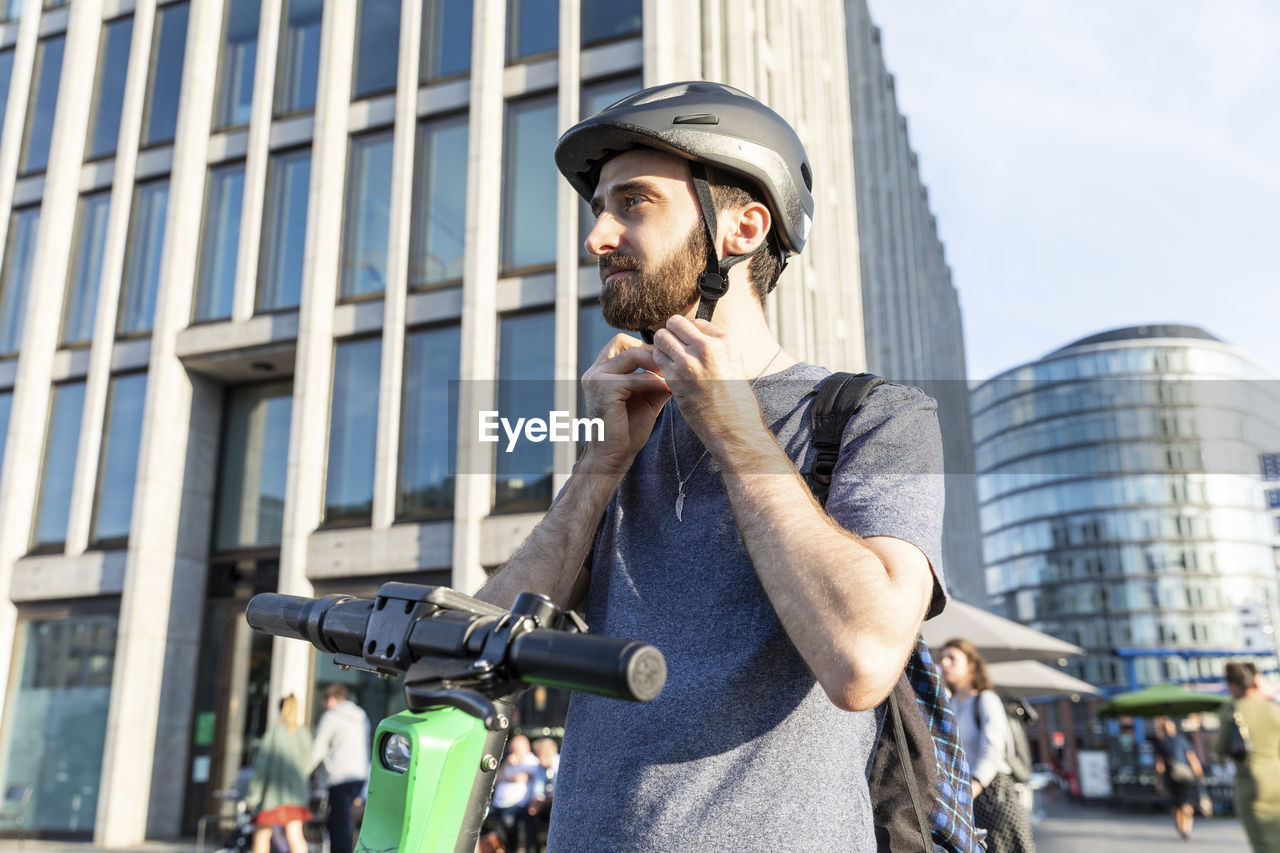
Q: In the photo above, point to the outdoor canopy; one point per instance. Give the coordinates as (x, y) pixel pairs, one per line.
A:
(1025, 678)
(996, 638)
(1162, 700)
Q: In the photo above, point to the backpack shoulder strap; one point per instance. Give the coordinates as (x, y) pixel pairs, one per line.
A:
(908, 774)
(839, 397)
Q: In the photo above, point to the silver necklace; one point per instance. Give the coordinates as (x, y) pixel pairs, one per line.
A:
(675, 453)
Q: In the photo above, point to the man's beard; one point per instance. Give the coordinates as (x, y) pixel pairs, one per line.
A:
(646, 298)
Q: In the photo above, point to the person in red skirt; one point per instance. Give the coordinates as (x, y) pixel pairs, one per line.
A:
(280, 789)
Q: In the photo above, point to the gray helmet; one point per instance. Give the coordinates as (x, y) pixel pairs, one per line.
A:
(705, 122)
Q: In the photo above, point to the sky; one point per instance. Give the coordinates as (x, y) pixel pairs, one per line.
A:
(1097, 163)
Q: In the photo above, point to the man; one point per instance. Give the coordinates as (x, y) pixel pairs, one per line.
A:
(688, 526)
(341, 749)
(1179, 773)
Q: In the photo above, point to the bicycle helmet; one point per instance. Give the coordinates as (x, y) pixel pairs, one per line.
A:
(705, 123)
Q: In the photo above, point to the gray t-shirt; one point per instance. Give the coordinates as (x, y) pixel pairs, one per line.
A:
(742, 750)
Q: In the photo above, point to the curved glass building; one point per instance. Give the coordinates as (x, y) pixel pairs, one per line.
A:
(1124, 506)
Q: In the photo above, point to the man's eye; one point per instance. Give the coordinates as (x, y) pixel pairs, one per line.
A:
(632, 201)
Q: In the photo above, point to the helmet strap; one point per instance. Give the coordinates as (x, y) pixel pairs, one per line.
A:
(713, 282)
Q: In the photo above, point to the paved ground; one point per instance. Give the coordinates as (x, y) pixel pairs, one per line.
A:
(1089, 829)
(1065, 828)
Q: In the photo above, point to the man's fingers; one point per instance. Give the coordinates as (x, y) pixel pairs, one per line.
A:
(627, 360)
(617, 344)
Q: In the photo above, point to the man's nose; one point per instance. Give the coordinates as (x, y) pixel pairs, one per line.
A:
(604, 235)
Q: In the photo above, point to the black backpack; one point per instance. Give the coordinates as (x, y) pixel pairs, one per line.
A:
(917, 777)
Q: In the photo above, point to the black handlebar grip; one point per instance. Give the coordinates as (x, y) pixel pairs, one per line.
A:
(621, 669)
(281, 615)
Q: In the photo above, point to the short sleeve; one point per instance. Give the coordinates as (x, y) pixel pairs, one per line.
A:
(888, 480)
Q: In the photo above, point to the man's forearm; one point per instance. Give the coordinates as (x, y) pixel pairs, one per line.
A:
(850, 613)
(551, 560)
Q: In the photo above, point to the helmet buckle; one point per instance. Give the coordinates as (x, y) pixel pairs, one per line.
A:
(712, 285)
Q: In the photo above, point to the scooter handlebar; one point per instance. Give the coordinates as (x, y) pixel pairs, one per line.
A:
(621, 669)
(606, 666)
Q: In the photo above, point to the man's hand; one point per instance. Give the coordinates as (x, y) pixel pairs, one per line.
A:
(626, 400)
(706, 375)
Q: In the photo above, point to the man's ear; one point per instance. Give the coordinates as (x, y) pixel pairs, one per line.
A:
(744, 228)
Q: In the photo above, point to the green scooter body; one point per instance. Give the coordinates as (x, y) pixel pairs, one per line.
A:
(437, 806)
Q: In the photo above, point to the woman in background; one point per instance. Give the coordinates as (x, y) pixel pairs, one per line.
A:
(985, 736)
(280, 789)
(1257, 785)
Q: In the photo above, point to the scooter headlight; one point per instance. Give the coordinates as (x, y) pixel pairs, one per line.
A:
(396, 752)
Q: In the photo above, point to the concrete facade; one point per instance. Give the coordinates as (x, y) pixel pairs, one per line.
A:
(910, 309)
(791, 54)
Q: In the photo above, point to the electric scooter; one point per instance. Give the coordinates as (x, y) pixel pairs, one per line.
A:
(434, 765)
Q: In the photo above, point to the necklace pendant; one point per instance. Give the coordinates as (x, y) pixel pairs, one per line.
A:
(680, 505)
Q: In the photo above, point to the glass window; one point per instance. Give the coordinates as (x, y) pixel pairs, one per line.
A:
(438, 226)
(603, 20)
(525, 390)
(593, 334)
(6, 402)
(142, 258)
(19, 256)
(353, 429)
(160, 117)
(56, 722)
(118, 467)
(446, 38)
(11, 9)
(595, 97)
(239, 57)
(377, 48)
(108, 94)
(299, 56)
(284, 230)
(85, 273)
(40, 110)
(529, 185)
(428, 436)
(367, 222)
(219, 242)
(6, 76)
(53, 507)
(533, 27)
(255, 458)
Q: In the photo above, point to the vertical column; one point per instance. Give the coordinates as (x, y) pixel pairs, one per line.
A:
(256, 159)
(672, 46)
(44, 304)
(313, 370)
(566, 350)
(477, 367)
(396, 298)
(30, 403)
(163, 584)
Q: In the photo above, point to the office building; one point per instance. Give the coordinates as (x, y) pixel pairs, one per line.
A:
(910, 309)
(1124, 507)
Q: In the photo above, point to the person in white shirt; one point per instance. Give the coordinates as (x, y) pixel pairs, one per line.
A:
(513, 792)
(341, 751)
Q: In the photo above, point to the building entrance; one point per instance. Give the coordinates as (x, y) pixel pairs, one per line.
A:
(232, 685)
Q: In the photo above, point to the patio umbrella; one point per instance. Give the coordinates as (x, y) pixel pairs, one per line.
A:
(997, 638)
(1023, 678)
(1162, 700)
